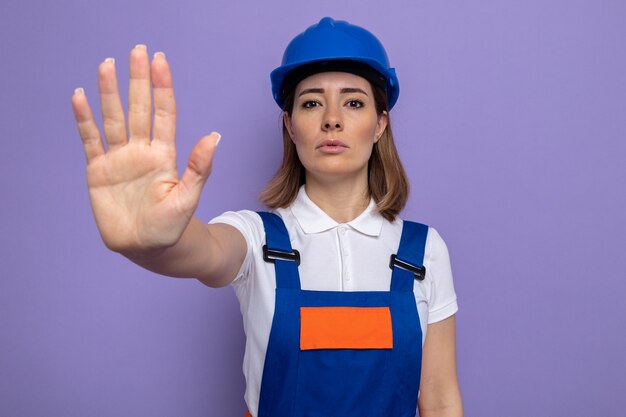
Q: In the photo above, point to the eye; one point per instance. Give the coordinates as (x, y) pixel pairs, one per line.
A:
(355, 104)
(309, 104)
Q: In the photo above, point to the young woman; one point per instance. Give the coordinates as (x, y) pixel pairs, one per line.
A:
(348, 310)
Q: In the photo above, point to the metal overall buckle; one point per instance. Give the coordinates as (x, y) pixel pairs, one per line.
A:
(270, 255)
(418, 271)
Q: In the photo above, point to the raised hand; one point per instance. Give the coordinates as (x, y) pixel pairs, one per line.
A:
(139, 202)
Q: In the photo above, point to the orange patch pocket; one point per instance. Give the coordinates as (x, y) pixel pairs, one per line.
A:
(345, 328)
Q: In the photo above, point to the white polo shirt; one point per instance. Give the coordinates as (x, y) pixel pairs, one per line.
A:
(352, 256)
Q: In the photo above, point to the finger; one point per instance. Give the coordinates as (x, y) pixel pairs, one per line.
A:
(139, 104)
(164, 129)
(199, 165)
(113, 120)
(87, 128)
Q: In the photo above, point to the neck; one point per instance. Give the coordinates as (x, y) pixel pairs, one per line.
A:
(343, 201)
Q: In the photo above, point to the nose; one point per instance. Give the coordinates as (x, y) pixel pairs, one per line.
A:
(332, 125)
(332, 119)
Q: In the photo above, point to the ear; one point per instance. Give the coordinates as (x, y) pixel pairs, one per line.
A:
(287, 122)
(381, 124)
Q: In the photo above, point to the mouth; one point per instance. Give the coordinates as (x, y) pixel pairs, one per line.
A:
(332, 143)
(332, 147)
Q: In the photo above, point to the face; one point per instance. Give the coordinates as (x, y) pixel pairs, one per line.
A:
(334, 125)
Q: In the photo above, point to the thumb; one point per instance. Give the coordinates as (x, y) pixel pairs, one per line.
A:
(200, 163)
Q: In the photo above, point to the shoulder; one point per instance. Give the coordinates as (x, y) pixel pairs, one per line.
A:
(245, 216)
(248, 222)
(439, 278)
(250, 225)
(436, 247)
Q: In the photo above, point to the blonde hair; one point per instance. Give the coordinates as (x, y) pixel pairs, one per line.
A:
(387, 180)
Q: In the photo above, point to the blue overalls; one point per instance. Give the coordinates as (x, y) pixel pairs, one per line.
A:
(333, 353)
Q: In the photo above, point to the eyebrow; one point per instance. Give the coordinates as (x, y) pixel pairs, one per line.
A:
(346, 90)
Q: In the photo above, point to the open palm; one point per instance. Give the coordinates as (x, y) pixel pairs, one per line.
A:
(138, 200)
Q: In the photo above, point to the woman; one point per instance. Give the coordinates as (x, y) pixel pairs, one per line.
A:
(338, 294)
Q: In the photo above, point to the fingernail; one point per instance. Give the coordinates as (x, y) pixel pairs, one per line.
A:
(111, 60)
(161, 54)
(219, 137)
(141, 46)
(79, 90)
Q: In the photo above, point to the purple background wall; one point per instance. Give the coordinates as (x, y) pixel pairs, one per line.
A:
(511, 123)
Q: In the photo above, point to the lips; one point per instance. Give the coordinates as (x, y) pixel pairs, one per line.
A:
(332, 143)
(332, 147)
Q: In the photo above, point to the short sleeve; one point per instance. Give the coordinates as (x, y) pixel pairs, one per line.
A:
(442, 301)
(250, 225)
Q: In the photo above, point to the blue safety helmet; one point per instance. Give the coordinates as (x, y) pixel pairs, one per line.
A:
(333, 45)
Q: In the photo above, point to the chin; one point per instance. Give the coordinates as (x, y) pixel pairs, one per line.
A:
(335, 171)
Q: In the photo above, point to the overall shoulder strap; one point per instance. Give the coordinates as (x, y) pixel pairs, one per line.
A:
(408, 263)
(277, 250)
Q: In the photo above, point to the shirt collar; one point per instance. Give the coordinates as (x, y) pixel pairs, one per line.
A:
(313, 219)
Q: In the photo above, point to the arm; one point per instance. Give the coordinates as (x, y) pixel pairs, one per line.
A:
(142, 208)
(212, 253)
(439, 387)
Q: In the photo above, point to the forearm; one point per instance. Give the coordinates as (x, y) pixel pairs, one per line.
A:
(440, 395)
(188, 258)
(450, 410)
